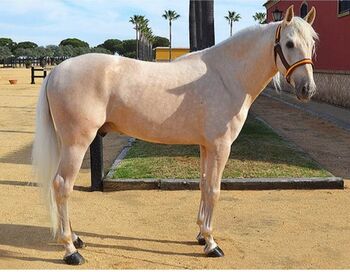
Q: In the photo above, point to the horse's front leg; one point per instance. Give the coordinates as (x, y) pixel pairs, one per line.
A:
(217, 156)
(200, 218)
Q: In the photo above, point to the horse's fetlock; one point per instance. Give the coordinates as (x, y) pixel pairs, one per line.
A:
(65, 237)
(206, 231)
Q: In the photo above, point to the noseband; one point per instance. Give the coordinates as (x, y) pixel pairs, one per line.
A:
(278, 50)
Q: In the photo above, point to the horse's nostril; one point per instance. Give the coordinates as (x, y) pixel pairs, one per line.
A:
(304, 90)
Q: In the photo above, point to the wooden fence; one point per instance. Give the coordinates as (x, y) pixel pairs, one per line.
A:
(14, 62)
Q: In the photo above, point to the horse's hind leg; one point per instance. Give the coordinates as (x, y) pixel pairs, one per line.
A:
(216, 160)
(77, 242)
(71, 159)
(200, 218)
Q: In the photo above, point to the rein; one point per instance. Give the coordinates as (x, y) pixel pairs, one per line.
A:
(278, 50)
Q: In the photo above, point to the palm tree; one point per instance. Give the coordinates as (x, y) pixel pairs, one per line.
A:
(143, 28)
(146, 33)
(232, 17)
(260, 17)
(170, 15)
(136, 20)
(201, 24)
(151, 40)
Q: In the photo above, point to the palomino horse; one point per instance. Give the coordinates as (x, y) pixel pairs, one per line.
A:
(202, 98)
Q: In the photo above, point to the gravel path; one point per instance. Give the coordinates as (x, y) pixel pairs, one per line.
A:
(325, 142)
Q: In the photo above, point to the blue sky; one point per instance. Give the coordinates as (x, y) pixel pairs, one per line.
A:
(49, 22)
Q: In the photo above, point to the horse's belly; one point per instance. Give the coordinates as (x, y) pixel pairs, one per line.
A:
(159, 127)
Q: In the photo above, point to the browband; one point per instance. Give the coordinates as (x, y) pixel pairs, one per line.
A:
(278, 51)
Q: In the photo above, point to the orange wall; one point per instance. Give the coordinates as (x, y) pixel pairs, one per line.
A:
(162, 54)
(333, 49)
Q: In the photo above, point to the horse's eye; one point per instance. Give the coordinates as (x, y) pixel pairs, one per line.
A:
(290, 44)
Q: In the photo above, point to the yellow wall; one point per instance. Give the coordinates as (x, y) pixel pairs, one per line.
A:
(162, 53)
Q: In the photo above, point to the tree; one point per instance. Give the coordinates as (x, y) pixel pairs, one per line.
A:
(136, 20)
(101, 50)
(74, 42)
(51, 50)
(145, 35)
(112, 45)
(170, 15)
(26, 45)
(201, 24)
(260, 17)
(129, 48)
(40, 52)
(160, 41)
(143, 28)
(77, 51)
(8, 42)
(232, 17)
(5, 52)
(67, 51)
(24, 52)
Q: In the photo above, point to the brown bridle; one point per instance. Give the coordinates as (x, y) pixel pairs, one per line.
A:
(278, 50)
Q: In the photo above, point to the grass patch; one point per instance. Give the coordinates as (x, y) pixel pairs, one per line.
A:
(258, 152)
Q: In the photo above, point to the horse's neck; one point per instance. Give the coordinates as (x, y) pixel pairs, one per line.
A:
(248, 59)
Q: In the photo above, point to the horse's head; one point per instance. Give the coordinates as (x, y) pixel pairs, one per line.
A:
(294, 47)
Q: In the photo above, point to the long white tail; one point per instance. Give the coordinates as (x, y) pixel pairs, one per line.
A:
(45, 155)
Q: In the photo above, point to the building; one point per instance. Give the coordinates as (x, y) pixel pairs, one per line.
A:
(332, 60)
(161, 54)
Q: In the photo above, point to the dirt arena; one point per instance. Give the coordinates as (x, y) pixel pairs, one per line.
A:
(156, 229)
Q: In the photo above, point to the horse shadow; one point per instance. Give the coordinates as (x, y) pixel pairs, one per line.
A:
(39, 238)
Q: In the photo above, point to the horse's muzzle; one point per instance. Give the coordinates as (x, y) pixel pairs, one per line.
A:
(305, 91)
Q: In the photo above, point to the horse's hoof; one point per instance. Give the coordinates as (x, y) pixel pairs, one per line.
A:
(216, 252)
(201, 240)
(79, 243)
(74, 259)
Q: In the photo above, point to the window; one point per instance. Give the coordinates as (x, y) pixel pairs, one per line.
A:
(344, 6)
(303, 10)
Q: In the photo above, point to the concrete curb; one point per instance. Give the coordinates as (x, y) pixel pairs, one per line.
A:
(110, 185)
(120, 157)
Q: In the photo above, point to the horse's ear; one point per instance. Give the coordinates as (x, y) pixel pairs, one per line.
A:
(310, 17)
(289, 15)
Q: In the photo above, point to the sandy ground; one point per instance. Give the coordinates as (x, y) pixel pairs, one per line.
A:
(156, 229)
